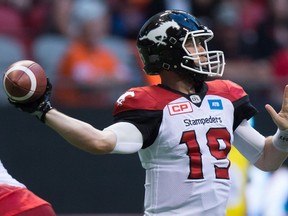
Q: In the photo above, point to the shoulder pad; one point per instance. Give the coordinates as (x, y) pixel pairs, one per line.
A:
(144, 98)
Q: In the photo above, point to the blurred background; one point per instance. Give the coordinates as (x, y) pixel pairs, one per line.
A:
(87, 48)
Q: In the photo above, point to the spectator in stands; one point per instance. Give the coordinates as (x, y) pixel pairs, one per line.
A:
(279, 57)
(11, 23)
(23, 20)
(254, 74)
(127, 16)
(58, 22)
(269, 47)
(89, 69)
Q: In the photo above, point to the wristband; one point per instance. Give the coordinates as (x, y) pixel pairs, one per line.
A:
(280, 140)
(42, 109)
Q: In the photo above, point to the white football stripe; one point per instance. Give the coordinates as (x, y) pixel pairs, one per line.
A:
(32, 78)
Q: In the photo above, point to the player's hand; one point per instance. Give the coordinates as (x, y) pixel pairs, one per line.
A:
(281, 118)
(39, 107)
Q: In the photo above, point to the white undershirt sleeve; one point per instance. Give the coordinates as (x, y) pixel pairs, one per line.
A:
(249, 141)
(129, 138)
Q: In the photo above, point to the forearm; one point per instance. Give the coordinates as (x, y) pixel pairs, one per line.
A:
(81, 134)
(271, 158)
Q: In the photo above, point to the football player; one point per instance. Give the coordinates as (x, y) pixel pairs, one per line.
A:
(182, 128)
(17, 200)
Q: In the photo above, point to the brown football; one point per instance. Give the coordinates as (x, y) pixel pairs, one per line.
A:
(24, 81)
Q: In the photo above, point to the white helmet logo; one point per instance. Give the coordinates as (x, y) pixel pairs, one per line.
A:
(158, 34)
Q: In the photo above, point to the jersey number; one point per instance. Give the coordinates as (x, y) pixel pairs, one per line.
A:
(218, 142)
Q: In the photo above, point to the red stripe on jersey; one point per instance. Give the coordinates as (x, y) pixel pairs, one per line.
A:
(144, 98)
(226, 89)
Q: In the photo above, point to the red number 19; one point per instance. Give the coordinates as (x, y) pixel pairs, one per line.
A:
(215, 137)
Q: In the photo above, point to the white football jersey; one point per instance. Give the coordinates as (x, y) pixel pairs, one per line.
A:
(6, 178)
(187, 139)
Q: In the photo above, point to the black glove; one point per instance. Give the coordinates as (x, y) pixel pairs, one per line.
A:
(39, 107)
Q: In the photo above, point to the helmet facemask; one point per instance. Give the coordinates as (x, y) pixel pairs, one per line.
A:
(215, 61)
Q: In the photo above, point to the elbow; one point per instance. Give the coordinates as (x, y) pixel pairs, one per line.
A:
(100, 150)
(102, 146)
(102, 143)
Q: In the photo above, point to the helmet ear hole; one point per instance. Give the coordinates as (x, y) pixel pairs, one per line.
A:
(166, 66)
(173, 40)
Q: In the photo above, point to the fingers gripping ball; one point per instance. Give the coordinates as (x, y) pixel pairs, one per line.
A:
(24, 81)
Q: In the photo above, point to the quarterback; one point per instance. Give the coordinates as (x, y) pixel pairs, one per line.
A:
(184, 127)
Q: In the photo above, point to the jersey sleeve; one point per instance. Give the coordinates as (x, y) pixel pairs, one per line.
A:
(242, 104)
(143, 107)
(146, 121)
(237, 95)
(243, 110)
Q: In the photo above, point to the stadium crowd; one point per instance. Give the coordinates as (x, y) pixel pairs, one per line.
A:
(252, 33)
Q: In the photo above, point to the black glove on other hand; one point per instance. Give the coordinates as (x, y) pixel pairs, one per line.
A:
(39, 107)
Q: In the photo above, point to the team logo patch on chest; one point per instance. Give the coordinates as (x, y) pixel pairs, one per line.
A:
(195, 98)
(180, 108)
(215, 104)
